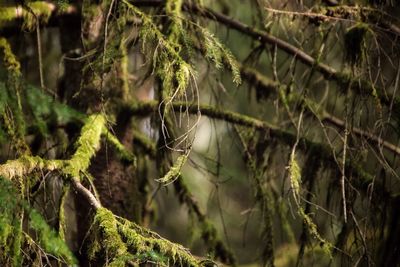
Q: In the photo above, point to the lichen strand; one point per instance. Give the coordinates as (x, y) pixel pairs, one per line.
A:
(218, 54)
(174, 171)
(87, 145)
(295, 177)
(148, 246)
(173, 70)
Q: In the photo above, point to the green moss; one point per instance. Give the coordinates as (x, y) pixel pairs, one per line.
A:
(295, 176)
(61, 212)
(87, 145)
(49, 239)
(10, 224)
(313, 230)
(110, 239)
(9, 59)
(174, 171)
(149, 246)
(27, 164)
(217, 53)
(124, 154)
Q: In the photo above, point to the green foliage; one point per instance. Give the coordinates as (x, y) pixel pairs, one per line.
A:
(48, 112)
(10, 230)
(220, 55)
(49, 239)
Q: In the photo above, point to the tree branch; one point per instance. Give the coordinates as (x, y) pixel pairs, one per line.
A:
(268, 86)
(288, 138)
(93, 201)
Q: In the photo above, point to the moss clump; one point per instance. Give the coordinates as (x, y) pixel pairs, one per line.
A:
(110, 239)
(147, 245)
(10, 224)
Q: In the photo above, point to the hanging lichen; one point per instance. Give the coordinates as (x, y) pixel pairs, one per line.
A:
(174, 171)
(295, 177)
(220, 55)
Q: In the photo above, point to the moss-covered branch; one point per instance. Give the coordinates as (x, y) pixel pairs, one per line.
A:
(26, 165)
(362, 87)
(285, 137)
(87, 145)
(124, 154)
(265, 86)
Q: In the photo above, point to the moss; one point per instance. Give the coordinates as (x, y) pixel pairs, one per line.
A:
(27, 164)
(42, 11)
(174, 171)
(219, 54)
(149, 246)
(7, 14)
(295, 176)
(49, 239)
(313, 230)
(61, 212)
(87, 145)
(124, 154)
(110, 239)
(9, 59)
